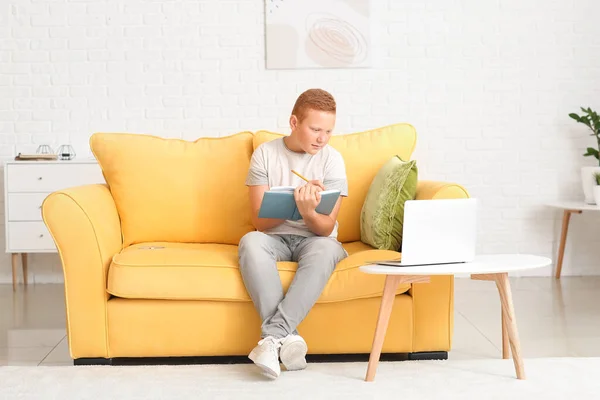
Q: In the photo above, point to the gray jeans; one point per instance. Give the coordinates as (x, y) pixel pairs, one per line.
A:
(258, 254)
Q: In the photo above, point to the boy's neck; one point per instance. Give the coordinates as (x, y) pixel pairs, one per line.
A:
(290, 143)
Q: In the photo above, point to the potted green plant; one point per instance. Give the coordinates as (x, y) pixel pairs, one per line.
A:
(596, 190)
(590, 119)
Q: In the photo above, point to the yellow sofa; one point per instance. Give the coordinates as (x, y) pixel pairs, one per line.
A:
(150, 259)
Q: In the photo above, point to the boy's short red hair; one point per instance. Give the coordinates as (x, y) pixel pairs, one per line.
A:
(313, 99)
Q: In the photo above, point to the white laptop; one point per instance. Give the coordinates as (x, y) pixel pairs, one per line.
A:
(437, 232)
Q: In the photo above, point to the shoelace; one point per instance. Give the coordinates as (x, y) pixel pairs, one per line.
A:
(271, 342)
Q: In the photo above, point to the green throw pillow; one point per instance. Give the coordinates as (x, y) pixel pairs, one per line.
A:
(382, 213)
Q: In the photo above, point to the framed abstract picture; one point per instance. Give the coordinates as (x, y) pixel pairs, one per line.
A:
(317, 34)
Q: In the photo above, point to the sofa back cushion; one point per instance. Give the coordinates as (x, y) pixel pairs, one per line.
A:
(364, 154)
(174, 190)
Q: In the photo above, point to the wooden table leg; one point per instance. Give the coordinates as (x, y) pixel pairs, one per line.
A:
(385, 310)
(563, 239)
(510, 321)
(15, 259)
(510, 336)
(24, 262)
(505, 340)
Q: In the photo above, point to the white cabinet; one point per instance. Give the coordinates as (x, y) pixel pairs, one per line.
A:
(26, 185)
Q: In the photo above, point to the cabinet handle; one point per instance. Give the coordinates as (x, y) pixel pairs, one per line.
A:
(39, 178)
(41, 235)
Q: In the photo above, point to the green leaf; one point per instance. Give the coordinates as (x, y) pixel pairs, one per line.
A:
(591, 119)
(595, 122)
(585, 120)
(591, 152)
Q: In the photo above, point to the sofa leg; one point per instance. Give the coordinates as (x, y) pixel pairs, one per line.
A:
(92, 361)
(428, 355)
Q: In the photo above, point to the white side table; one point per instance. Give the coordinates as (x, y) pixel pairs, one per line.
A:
(488, 268)
(569, 207)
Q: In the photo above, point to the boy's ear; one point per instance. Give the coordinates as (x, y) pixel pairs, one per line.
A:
(293, 121)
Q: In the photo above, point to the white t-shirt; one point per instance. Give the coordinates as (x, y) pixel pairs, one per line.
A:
(272, 164)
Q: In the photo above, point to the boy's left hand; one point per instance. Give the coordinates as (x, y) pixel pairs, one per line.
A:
(307, 198)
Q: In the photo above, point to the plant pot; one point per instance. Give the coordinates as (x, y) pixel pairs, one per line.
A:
(589, 182)
(596, 192)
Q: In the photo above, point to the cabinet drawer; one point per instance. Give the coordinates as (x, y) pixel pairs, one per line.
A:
(29, 236)
(49, 177)
(25, 206)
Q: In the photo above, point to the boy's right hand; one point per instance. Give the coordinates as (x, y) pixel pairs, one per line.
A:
(317, 183)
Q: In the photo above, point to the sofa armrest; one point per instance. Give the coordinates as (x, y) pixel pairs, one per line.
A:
(429, 190)
(85, 226)
(433, 303)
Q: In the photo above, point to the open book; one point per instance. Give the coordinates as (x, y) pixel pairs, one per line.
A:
(278, 202)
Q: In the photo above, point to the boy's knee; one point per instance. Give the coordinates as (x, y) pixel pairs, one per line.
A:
(328, 251)
(332, 247)
(251, 240)
(252, 249)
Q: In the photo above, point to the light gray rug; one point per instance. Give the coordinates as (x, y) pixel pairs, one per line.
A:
(554, 378)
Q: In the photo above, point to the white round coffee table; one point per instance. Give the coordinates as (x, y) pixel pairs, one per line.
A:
(485, 267)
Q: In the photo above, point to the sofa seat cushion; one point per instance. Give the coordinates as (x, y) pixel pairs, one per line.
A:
(200, 271)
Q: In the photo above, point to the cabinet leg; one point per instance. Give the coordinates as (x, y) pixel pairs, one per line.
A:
(15, 259)
(24, 262)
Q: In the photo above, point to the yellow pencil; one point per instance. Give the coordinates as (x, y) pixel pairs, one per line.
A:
(300, 176)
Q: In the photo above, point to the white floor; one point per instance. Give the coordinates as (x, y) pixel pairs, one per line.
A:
(555, 319)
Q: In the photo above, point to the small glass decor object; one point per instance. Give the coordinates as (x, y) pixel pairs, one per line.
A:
(66, 152)
(44, 149)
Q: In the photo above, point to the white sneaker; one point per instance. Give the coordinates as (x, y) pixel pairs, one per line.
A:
(293, 352)
(266, 356)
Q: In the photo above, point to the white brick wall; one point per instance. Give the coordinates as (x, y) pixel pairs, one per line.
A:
(487, 84)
